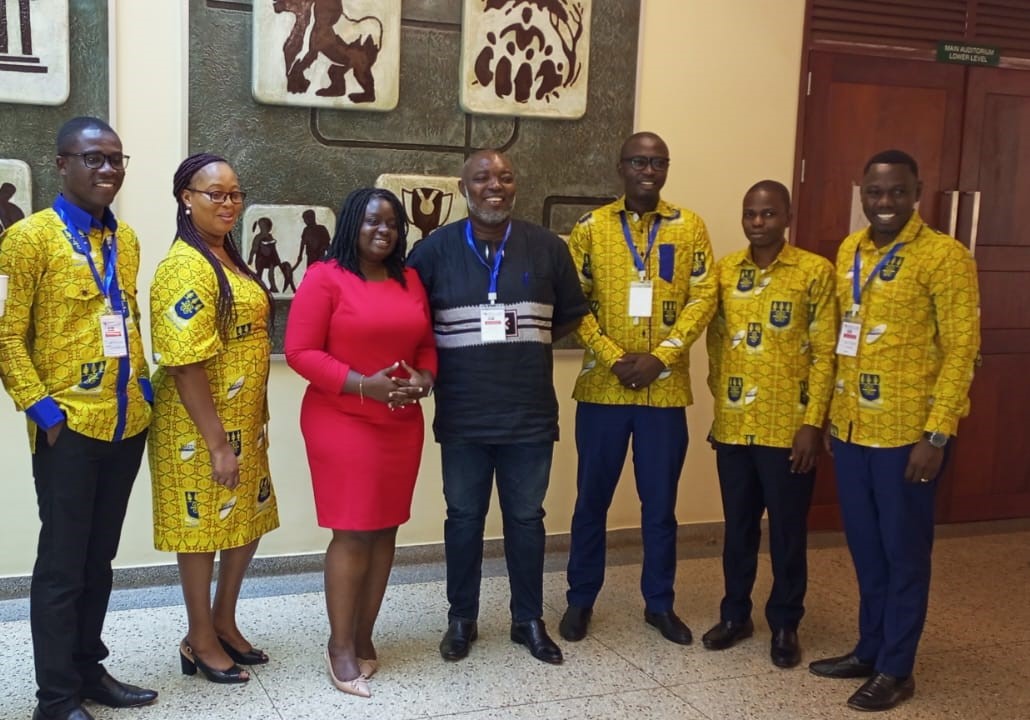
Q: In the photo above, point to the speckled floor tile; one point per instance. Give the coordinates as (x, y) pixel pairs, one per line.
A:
(659, 704)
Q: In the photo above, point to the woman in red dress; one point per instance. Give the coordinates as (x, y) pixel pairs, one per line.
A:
(359, 331)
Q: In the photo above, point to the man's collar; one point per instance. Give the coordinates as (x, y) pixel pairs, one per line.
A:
(788, 255)
(908, 233)
(664, 209)
(81, 219)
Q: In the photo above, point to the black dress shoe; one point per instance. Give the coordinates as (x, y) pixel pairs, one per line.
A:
(76, 713)
(460, 634)
(533, 635)
(111, 692)
(574, 622)
(727, 634)
(882, 692)
(785, 649)
(670, 626)
(844, 666)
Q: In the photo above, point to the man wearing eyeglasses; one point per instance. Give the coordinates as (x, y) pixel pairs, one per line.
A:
(645, 267)
(71, 357)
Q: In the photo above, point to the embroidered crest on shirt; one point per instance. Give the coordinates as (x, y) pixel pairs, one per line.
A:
(735, 389)
(91, 374)
(184, 309)
(746, 279)
(869, 386)
(754, 334)
(699, 266)
(780, 313)
(890, 270)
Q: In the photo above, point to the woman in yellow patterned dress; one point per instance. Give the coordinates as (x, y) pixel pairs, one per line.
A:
(208, 445)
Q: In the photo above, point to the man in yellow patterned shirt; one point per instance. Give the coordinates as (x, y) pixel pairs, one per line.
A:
(909, 339)
(646, 269)
(71, 357)
(771, 363)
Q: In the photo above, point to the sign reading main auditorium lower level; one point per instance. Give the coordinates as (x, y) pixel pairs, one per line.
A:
(965, 54)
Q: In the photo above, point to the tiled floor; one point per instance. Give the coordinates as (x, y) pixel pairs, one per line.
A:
(974, 660)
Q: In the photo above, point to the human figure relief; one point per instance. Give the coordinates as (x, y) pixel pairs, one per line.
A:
(263, 253)
(358, 53)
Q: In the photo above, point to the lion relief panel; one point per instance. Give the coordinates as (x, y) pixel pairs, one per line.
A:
(342, 54)
(525, 57)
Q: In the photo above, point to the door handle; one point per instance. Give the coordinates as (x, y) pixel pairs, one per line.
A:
(948, 214)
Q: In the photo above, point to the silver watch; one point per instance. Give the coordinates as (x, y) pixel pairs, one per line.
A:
(937, 439)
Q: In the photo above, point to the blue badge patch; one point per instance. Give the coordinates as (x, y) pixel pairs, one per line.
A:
(890, 270)
(869, 386)
(780, 313)
(188, 305)
(754, 334)
(192, 507)
(735, 390)
(264, 490)
(699, 267)
(243, 330)
(91, 374)
(668, 313)
(235, 438)
(746, 279)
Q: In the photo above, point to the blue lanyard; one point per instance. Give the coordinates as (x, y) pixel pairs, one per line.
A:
(640, 262)
(498, 256)
(109, 250)
(856, 288)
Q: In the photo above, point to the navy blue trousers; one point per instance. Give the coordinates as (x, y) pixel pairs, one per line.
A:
(659, 447)
(889, 526)
(754, 478)
(523, 471)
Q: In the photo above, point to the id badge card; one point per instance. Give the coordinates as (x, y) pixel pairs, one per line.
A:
(112, 334)
(491, 323)
(641, 294)
(847, 343)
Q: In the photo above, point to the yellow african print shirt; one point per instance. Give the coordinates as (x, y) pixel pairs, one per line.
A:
(683, 300)
(919, 342)
(192, 513)
(771, 347)
(51, 355)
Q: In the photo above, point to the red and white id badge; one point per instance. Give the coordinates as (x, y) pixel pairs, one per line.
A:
(641, 295)
(112, 335)
(491, 323)
(847, 342)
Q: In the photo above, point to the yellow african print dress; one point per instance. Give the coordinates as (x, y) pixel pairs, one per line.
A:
(192, 513)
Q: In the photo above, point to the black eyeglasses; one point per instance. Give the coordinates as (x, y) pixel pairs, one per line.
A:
(219, 196)
(96, 160)
(639, 162)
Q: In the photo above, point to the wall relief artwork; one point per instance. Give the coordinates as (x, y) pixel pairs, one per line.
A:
(525, 57)
(15, 192)
(280, 242)
(341, 54)
(34, 52)
(429, 201)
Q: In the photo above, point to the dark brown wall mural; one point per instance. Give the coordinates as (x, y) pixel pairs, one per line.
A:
(303, 156)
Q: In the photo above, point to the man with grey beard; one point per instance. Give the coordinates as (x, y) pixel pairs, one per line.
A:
(500, 291)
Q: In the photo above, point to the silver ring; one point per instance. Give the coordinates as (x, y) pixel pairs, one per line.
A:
(633, 385)
(924, 480)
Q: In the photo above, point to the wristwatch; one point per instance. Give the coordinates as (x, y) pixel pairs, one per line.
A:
(937, 439)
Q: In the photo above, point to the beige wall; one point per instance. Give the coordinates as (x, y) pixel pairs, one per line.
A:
(718, 80)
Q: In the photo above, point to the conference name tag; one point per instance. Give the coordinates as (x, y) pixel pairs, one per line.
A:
(847, 343)
(112, 335)
(491, 323)
(640, 298)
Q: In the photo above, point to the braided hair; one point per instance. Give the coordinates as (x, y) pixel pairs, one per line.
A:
(344, 246)
(186, 231)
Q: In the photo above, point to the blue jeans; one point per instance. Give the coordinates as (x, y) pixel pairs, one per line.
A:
(523, 472)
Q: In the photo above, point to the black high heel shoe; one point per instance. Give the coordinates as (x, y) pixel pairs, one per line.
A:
(251, 657)
(190, 663)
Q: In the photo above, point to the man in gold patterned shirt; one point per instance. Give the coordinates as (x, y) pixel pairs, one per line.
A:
(909, 339)
(646, 269)
(771, 363)
(71, 357)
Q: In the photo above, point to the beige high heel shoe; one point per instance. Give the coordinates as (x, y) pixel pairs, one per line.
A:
(358, 686)
(368, 667)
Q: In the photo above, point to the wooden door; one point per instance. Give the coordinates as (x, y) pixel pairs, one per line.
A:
(856, 106)
(989, 473)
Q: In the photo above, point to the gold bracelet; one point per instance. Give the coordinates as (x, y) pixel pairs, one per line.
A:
(361, 388)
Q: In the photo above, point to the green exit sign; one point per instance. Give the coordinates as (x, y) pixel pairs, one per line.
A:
(965, 53)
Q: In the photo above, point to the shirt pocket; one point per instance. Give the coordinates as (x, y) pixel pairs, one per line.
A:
(666, 261)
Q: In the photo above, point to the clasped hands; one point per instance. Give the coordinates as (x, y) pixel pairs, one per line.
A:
(637, 370)
(394, 391)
